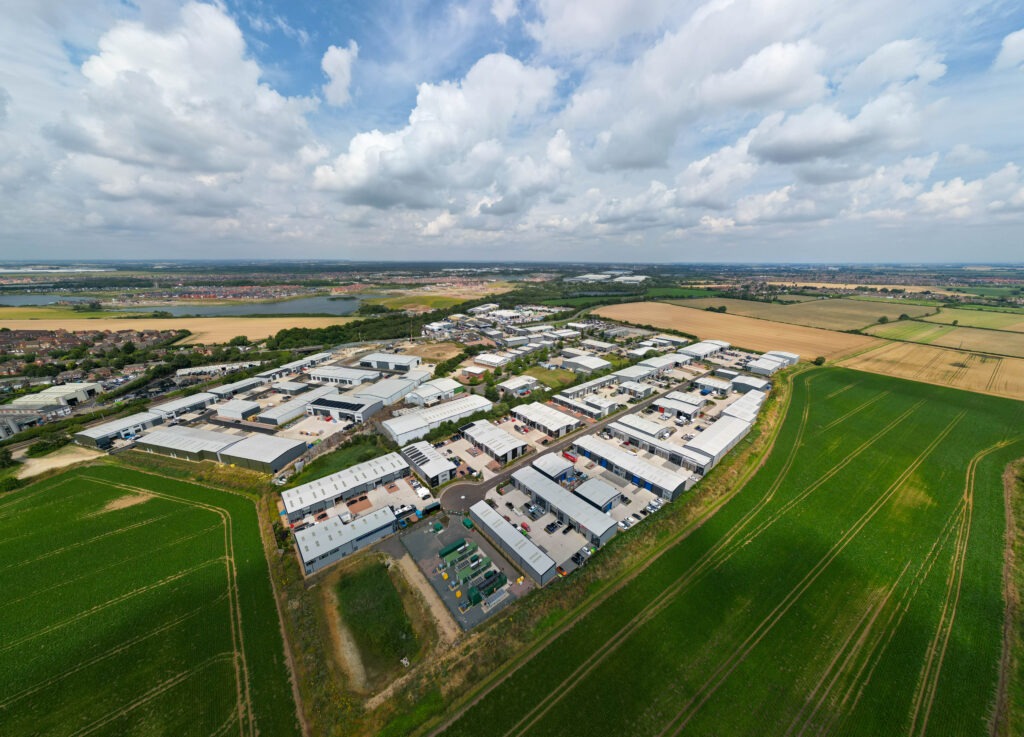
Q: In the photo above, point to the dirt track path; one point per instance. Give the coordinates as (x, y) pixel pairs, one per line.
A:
(344, 645)
(448, 629)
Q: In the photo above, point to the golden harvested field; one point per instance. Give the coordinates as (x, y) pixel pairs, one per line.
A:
(1003, 377)
(967, 339)
(204, 329)
(1012, 321)
(745, 332)
(830, 314)
(836, 285)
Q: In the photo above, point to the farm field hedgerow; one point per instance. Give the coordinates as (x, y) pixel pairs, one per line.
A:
(853, 586)
(1012, 321)
(137, 604)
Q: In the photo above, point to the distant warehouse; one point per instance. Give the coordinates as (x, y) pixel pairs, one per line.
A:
(184, 405)
(342, 375)
(186, 442)
(264, 453)
(533, 561)
(292, 409)
(102, 436)
(389, 362)
(415, 424)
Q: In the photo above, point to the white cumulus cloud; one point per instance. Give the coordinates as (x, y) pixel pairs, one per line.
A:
(337, 65)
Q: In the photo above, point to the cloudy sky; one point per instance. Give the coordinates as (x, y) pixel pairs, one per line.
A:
(621, 130)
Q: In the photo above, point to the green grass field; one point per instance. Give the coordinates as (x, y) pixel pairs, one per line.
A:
(372, 609)
(852, 587)
(137, 604)
(552, 378)
(911, 330)
(990, 319)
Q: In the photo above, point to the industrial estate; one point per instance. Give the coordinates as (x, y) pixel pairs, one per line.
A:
(524, 508)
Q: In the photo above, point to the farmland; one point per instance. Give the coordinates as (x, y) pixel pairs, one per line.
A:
(830, 314)
(999, 342)
(746, 332)
(908, 288)
(1003, 377)
(137, 604)
(203, 329)
(1012, 321)
(852, 586)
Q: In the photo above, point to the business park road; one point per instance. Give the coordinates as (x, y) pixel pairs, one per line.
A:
(458, 498)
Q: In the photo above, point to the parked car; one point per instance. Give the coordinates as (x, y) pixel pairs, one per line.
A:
(567, 530)
(510, 505)
(524, 526)
(635, 517)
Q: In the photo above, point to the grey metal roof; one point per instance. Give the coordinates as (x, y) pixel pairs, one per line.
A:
(662, 477)
(427, 459)
(189, 439)
(182, 404)
(328, 487)
(597, 492)
(114, 427)
(331, 534)
(719, 436)
(545, 416)
(552, 464)
(577, 509)
(493, 438)
(532, 557)
(296, 406)
(263, 448)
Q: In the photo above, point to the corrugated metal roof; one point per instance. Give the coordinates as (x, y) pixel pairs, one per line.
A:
(331, 534)
(316, 491)
(493, 438)
(535, 559)
(555, 496)
(634, 465)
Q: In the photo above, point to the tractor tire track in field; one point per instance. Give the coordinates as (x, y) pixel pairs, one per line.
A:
(928, 684)
(588, 608)
(83, 543)
(153, 693)
(738, 656)
(555, 694)
(990, 385)
(851, 646)
(842, 389)
(704, 565)
(92, 572)
(29, 495)
(246, 723)
(105, 605)
(873, 656)
(1000, 722)
(107, 654)
(877, 398)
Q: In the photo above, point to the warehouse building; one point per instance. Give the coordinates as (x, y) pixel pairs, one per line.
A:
(331, 540)
(747, 407)
(659, 364)
(673, 340)
(518, 386)
(585, 364)
(428, 463)
(597, 345)
(546, 419)
(519, 549)
(11, 423)
(597, 527)
(721, 437)
(186, 442)
(238, 410)
(666, 483)
(745, 384)
(495, 442)
(386, 391)
(599, 494)
(642, 351)
(492, 360)
(589, 387)
(433, 391)
(415, 424)
(674, 454)
(291, 388)
(645, 427)
(721, 387)
(633, 373)
(765, 366)
(555, 466)
(342, 408)
(229, 390)
(390, 362)
(786, 358)
(704, 349)
(327, 492)
(725, 373)
(677, 404)
(103, 435)
(177, 407)
(263, 453)
(593, 406)
(636, 389)
(342, 375)
(63, 395)
(292, 409)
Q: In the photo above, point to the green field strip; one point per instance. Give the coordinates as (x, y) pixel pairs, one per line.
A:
(109, 568)
(273, 708)
(26, 503)
(106, 656)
